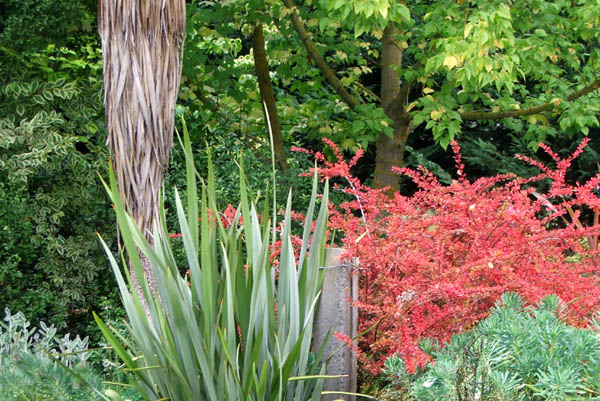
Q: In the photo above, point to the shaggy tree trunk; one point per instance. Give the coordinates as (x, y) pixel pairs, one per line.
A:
(142, 51)
(265, 86)
(390, 151)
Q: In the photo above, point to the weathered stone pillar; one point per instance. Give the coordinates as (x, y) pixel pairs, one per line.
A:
(336, 314)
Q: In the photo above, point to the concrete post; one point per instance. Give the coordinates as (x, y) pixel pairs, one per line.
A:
(335, 313)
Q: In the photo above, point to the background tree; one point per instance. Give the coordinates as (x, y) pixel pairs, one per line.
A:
(142, 46)
(446, 63)
(356, 70)
(221, 88)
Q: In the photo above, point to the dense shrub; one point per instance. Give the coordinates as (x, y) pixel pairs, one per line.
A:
(36, 363)
(17, 249)
(517, 353)
(27, 372)
(51, 202)
(433, 264)
(32, 24)
(31, 377)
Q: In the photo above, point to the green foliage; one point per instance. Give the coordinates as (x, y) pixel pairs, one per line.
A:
(38, 364)
(365, 16)
(517, 353)
(33, 24)
(27, 372)
(244, 333)
(17, 250)
(16, 338)
(226, 148)
(458, 59)
(51, 148)
(491, 151)
(31, 377)
(497, 56)
(458, 56)
(219, 87)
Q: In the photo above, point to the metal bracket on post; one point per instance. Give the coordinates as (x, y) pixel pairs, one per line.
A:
(336, 314)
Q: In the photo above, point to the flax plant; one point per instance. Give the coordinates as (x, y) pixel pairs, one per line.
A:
(236, 328)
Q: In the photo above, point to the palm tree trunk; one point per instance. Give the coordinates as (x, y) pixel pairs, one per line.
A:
(142, 51)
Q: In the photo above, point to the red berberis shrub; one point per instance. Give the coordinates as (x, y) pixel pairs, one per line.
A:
(434, 263)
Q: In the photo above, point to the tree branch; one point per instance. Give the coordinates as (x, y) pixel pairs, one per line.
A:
(367, 91)
(206, 100)
(312, 50)
(488, 115)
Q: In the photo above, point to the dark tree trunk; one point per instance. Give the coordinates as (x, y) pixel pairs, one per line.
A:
(265, 86)
(390, 151)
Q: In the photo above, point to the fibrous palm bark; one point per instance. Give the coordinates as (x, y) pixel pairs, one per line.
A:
(142, 50)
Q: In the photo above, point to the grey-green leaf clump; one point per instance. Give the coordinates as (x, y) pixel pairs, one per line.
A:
(518, 353)
(235, 328)
(37, 364)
